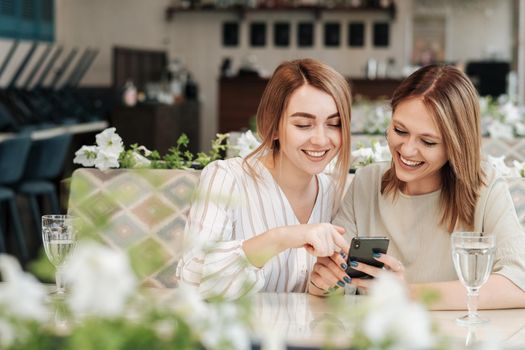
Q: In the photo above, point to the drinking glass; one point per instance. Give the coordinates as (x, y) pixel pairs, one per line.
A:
(473, 255)
(58, 236)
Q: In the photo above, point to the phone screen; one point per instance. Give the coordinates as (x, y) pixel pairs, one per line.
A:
(362, 250)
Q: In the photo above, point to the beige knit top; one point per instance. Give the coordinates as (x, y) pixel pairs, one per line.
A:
(416, 236)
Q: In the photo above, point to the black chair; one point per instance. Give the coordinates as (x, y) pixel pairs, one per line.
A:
(44, 164)
(13, 156)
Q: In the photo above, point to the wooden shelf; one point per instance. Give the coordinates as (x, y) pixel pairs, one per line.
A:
(316, 10)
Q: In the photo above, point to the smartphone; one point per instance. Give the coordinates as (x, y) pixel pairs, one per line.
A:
(362, 250)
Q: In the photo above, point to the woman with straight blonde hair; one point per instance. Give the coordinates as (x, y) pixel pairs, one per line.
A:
(262, 221)
(435, 184)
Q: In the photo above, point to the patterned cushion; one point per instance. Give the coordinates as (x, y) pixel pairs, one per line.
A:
(143, 211)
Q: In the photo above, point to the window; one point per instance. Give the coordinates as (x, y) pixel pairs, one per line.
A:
(356, 34)
(281, 34)
(305, 34)
(230, 34)
(332, 34)
(381, 34)
(258, 34)
(27, 19)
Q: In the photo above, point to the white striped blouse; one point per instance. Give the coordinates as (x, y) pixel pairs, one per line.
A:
(232, 206)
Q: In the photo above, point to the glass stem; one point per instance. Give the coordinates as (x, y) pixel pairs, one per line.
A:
(472, 301)
(59, 281)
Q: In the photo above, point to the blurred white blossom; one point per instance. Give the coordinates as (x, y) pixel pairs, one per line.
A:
(140, 160)
(86, 156)
(7, 334)
(519, 168)
(377, 119)
(110, 142)
(502, 118)
(100, 280)
(106, 160)
(500, 130)
(519, 128)
(501, 168)
(366, 155)
(246, 144)
(498, 163)
(393, 315)
(214, 323)
(21, 295)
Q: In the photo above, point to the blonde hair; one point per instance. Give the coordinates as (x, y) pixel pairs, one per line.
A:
(287, 78)
(453, 103)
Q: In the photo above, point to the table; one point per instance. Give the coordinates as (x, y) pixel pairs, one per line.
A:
(300, 320)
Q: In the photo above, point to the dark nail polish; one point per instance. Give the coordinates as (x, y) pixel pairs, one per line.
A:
(341, 284)
(347, 279)
(353, 263)
(376, 255)
(344, 266)
(343, 255)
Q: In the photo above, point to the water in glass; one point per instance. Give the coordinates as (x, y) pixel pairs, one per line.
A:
(473, 255)
(58, 236)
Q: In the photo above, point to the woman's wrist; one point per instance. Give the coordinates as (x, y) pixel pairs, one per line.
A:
(263, 247)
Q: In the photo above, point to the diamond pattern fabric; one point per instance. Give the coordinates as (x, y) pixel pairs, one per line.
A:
(142, 211)
(145, 211)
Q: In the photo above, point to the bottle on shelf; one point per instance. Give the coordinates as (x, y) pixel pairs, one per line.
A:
(129, 97)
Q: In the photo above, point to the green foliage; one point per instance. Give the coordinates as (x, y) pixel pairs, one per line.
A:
(42, 268)
(178, 156)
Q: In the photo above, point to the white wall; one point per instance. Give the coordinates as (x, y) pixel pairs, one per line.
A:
(196, 39)
(103, 24)
(480, 29)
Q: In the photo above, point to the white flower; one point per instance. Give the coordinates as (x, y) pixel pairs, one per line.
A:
(86, 156)
(146, 152)
(100, 280)
(214, 323)
(510, 112)
(140, 160)
(366, 155)
(498, 163)
(364, 152)
(500, 130)
(246, 143)
(21, 294)
(7, 334)
(394, 316)
(381, 153)
(106, 160)
(110, 142)
(519, 128)
(519, 168)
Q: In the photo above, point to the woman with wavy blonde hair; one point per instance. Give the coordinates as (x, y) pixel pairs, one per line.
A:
(264, 219)
(435, 184)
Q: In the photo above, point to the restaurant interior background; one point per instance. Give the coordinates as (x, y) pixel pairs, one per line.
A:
(387, 37)
(451, 31)
(155, 69)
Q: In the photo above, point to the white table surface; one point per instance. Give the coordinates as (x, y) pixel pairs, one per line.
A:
(302, 320)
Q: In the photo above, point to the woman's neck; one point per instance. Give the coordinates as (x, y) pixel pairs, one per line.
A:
(288, 178)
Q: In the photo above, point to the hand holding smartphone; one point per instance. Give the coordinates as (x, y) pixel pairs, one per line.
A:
(362, 250)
